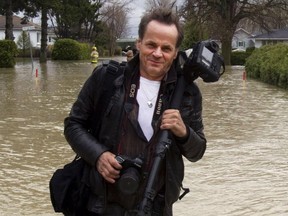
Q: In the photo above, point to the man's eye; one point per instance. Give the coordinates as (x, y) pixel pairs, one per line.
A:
(166, 49)
(150, 45)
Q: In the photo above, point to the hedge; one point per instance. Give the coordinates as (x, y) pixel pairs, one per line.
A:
(269, 64)
(69, 49)
(239, 58)
(8, 50)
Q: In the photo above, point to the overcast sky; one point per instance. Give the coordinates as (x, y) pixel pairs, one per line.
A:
(137, 10)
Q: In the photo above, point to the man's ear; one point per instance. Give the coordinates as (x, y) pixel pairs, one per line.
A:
(176, 53)
(138, 43)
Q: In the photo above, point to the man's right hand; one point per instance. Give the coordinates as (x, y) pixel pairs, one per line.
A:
(108, 167)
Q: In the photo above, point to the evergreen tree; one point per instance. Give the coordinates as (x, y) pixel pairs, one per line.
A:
(24, 43)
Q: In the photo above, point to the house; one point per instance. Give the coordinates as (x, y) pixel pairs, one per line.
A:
(272, 37)
(33, 29)
(125, 42)
(242, 40)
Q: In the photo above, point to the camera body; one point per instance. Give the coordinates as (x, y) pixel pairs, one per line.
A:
(203, 61)
(130, 174)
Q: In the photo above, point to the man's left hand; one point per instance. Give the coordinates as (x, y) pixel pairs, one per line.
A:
(172, 120)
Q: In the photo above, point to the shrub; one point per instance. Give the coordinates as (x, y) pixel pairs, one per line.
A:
(250, 49)
(8, 50)
(85, 51)
(66, 49)
(49, 50)
(239, 58)
(269, 64)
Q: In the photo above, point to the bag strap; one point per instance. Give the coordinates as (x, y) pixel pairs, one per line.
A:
(113, 70)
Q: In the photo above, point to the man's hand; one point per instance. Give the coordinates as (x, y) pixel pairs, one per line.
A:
(108, 167)
(172, 120)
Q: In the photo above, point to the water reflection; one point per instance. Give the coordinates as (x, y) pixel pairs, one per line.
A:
(244, 171)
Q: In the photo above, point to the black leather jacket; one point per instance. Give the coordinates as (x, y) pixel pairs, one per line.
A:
(89, 136)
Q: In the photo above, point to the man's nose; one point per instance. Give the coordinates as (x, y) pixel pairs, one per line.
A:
(158, 52)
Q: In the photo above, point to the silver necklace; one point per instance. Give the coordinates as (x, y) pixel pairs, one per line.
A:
(149, 101)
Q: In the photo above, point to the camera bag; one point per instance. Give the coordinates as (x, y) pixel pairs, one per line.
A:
(68, 190)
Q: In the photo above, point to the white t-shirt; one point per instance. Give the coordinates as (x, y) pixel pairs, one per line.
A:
(147, 97)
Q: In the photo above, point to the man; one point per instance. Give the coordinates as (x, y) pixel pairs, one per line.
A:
(130, 124)
(129, 55)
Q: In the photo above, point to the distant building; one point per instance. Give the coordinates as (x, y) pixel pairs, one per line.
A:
(272, 37)
(125, 42)
(33, 29)
(242, 40)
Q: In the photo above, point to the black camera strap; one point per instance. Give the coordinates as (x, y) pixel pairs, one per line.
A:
(134, 86)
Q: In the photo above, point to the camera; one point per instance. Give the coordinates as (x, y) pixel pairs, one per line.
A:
(204, 61)
(130, 174)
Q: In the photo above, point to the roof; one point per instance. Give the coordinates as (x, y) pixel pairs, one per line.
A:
(243, 30)
(17, 23)
(278, 34)
(123, 40)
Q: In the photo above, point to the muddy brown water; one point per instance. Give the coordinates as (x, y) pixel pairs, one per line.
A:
(243, 172)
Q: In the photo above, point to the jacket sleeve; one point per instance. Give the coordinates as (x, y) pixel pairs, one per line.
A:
(193, 148)
(77, 126)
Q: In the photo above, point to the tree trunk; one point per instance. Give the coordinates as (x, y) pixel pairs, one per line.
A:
(226, 50)
(9, 21)
(44, 29)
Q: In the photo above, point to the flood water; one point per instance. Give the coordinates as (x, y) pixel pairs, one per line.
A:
(244, 171)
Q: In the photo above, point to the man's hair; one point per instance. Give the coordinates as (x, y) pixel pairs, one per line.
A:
(163, 15)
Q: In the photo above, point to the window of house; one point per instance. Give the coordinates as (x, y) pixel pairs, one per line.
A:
(241, 43)
(38, 37)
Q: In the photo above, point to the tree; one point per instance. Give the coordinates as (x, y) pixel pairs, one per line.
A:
(77, 19)
(9, 20)
(114, 15)
(7, 7)
(24, 42)
(31, 10)
(151, 4)
(195, 25)
(223, 16)
(70, 16)
(277, 19)
(44, 31)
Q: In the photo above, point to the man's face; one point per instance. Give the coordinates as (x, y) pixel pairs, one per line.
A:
(157, 50)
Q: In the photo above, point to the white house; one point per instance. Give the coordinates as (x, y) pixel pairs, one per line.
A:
(33, 29)
(242, 40)
(272, 37)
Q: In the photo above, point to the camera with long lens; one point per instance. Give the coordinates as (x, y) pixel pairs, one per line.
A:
(202, 61)
(130, 174)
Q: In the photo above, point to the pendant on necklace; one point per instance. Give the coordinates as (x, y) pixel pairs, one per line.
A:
(149, 103)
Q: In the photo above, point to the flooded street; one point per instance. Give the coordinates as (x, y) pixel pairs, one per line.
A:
(243, 173)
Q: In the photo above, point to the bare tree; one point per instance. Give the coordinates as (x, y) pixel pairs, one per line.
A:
(223, 16)
(114, 15)
(150, 4)
(277, 19)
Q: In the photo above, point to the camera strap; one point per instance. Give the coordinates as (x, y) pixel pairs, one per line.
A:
(131, 99)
